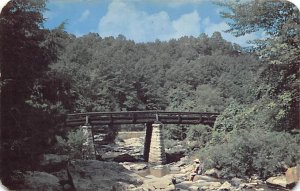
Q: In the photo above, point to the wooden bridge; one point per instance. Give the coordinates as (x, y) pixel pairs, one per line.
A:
(153, 120)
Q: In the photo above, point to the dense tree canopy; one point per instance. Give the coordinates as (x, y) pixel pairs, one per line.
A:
(30, 97)
(116, 74)
(279, 51)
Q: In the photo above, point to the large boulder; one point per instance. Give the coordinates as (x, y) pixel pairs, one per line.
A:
(292, 175)
(278, 181)
(187, 168)
(53, 162)
(236, 181)
(213, 172)
(207, 185)
(40, 181)
(206, 178)
(89, 175)
(226, 186)
(158, 183)
(184, 185)
(183, 161)
(175, 168)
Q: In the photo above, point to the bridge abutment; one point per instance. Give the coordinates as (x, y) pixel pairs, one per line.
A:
(157, 153)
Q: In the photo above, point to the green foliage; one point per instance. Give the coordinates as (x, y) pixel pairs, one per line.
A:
(74, 144)
(250, 151)
(174, 132)
(199, 133)
(117, 74)
(32, 101)
(279, 51)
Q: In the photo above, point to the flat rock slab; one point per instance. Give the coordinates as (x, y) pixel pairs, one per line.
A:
(40, 181)
(90, 175)
(161, 183)
(134, 166)
(279, 181)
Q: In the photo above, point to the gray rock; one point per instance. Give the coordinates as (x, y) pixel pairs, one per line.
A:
(41, 181)
(278, 181)
(193, 188)
(206, 185)
(162, 183)
(90, 175)
(247, 185)
(236, 181)
(213, 172)
(61, 175)
(226, 186)
(53, 162)
(182, 162)
(207, 178)
(134, 166)
(150, 176)
(170, 188)
(118, 157)
(184, 185)
(174, 168)
(53, 159)
(67, 187)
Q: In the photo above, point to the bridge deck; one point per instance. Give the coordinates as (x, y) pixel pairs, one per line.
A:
(140, 117)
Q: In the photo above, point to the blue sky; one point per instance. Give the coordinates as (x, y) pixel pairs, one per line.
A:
(140, 20)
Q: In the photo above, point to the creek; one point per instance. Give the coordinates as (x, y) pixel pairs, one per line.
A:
(132, 143)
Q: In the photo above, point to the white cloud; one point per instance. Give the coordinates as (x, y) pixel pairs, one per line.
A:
(84, 15)
(188, 24)
(211, 27)
(73, 1)
(177, 3)
(123, 18)
(49, 15)
(172, 3)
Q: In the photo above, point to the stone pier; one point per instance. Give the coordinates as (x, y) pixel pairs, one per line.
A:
(157, 153)
(88, 147)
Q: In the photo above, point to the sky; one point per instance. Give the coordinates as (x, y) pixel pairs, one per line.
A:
(140, 20)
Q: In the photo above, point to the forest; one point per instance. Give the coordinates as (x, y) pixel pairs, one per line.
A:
(46, 74)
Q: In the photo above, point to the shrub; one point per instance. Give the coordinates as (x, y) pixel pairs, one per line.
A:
(174, 132)
(199, 133)
(245, 152)
(75, 144)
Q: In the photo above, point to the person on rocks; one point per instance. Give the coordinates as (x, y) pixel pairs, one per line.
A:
(197, 170)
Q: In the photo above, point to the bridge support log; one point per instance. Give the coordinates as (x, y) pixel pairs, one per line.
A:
(157, 153)
(88, 147)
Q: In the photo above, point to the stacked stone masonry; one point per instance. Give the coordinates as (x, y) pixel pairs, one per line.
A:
(157, 153)
(89, 148)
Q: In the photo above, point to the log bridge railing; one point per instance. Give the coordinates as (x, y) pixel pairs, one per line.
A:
(153, 147)
(140, 117)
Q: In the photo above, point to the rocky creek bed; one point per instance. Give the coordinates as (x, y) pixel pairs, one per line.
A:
(120, 167)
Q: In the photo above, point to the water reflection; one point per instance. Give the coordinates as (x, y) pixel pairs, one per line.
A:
(159, 171)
